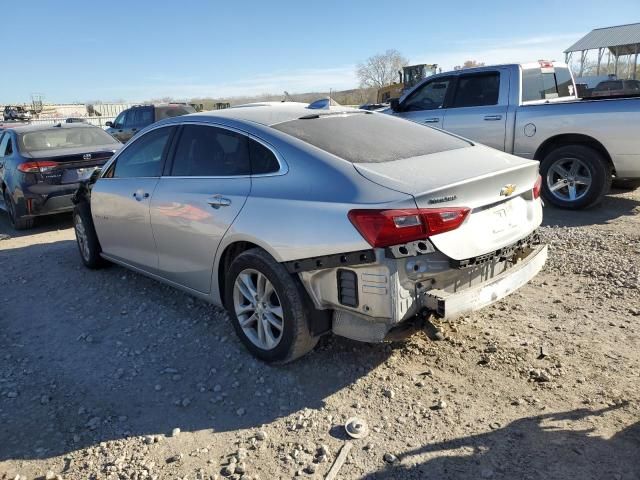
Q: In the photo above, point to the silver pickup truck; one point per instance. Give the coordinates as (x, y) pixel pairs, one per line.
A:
(531, 110)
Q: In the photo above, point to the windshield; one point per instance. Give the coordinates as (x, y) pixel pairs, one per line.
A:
(57, 138)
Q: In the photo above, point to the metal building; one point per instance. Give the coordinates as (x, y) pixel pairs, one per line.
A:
(620, 41)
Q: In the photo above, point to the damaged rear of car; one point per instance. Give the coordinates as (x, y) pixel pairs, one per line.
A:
(468, 239)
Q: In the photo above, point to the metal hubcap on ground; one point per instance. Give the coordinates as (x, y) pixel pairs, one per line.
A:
(258, 309)
(81, 235)
(569, 179)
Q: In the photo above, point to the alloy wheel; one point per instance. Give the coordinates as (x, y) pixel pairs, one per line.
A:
(569, 179)
(258, 309)
(81, 235)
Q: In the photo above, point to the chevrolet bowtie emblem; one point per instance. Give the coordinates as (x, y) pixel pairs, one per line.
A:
(507, 190)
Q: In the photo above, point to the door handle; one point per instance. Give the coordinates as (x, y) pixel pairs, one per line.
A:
(490, 118)
(432, 120)
(218, 201)
(139, 196)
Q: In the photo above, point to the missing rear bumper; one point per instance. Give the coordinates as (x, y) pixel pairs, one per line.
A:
(453, 304)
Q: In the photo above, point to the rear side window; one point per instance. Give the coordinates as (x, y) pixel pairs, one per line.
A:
(544, 85)
(477, 90)
(370, 137)
(205, 151)
(143, 157)
(262, 159)
(141, 117)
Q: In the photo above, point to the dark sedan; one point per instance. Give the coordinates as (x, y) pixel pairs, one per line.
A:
(41, 166)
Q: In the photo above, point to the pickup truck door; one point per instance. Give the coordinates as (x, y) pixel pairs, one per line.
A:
(478, 107)
(424, 104)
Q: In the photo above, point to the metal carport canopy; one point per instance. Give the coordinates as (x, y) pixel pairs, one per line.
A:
(621, 40)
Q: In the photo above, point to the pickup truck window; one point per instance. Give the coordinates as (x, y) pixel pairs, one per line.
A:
(477, 90)
(537, 85)
(429, 96)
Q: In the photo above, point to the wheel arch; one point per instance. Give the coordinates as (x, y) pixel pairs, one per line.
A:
(230, 251)
(565, 139)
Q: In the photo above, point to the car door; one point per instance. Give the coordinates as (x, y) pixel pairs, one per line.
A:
(120, 200)
(478, 107)
(425, 103)
(205, 187)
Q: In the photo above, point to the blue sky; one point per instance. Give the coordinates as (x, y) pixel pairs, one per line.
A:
(86, 50)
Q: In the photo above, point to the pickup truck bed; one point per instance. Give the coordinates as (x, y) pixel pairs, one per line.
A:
(531, 110)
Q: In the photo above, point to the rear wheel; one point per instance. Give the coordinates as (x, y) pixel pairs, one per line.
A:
(86, 237)
(575, 176)
(267, 308)
(18, 222)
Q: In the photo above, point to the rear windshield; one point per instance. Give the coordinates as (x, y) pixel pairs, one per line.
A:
(370, 137)
(57, 138)
(539, 85)
(173, 111)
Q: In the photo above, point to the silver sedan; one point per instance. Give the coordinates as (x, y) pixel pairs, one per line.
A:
(303, 221)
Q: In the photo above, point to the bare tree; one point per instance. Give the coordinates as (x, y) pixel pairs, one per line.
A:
(469, 64)
(381, 69)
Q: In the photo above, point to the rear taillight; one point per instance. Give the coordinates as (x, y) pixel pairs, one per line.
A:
(382, 228)
(536, 187)
(35, 167)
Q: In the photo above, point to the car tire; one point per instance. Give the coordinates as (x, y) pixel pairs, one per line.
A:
(292, 326)
(17, 222)
(592, 166)
(86, 237)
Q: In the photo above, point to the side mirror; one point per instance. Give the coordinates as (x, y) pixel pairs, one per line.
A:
(394, 103)
(109, 124)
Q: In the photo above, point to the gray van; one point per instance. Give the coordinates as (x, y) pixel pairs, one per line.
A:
(129, 121)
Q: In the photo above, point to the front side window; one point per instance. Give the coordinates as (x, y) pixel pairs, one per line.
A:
(143, 157)
(120, 119)
(205, 151)
(477, 90)
(428, 97)
(4, 142)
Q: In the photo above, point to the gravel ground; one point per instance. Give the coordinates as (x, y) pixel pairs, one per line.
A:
(100, 369)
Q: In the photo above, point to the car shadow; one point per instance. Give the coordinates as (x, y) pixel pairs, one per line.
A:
(613, 206)
(43, 224)
(92, 356)
(539, 447)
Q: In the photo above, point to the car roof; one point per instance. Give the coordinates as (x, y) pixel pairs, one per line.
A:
(267, 113)
(35, 128)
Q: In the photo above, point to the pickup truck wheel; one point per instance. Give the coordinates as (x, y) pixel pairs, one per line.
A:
(17, 222)
(267, 308)
(574, 177)
(86, 237)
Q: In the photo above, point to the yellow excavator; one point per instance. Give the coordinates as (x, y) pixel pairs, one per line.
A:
(409, 76)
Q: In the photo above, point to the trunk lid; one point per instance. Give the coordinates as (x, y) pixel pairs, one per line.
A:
(71, 164)
(495, 185)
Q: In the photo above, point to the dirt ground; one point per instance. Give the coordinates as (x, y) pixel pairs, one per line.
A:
(98, 369)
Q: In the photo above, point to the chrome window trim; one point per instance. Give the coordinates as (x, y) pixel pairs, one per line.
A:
(283, 170)
(284, 167)
(115, 156)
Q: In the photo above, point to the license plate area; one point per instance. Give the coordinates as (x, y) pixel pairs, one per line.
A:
(74, 175)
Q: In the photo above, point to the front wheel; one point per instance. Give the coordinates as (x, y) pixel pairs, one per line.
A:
(86, 237)
(575, 177)
(267, 308)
